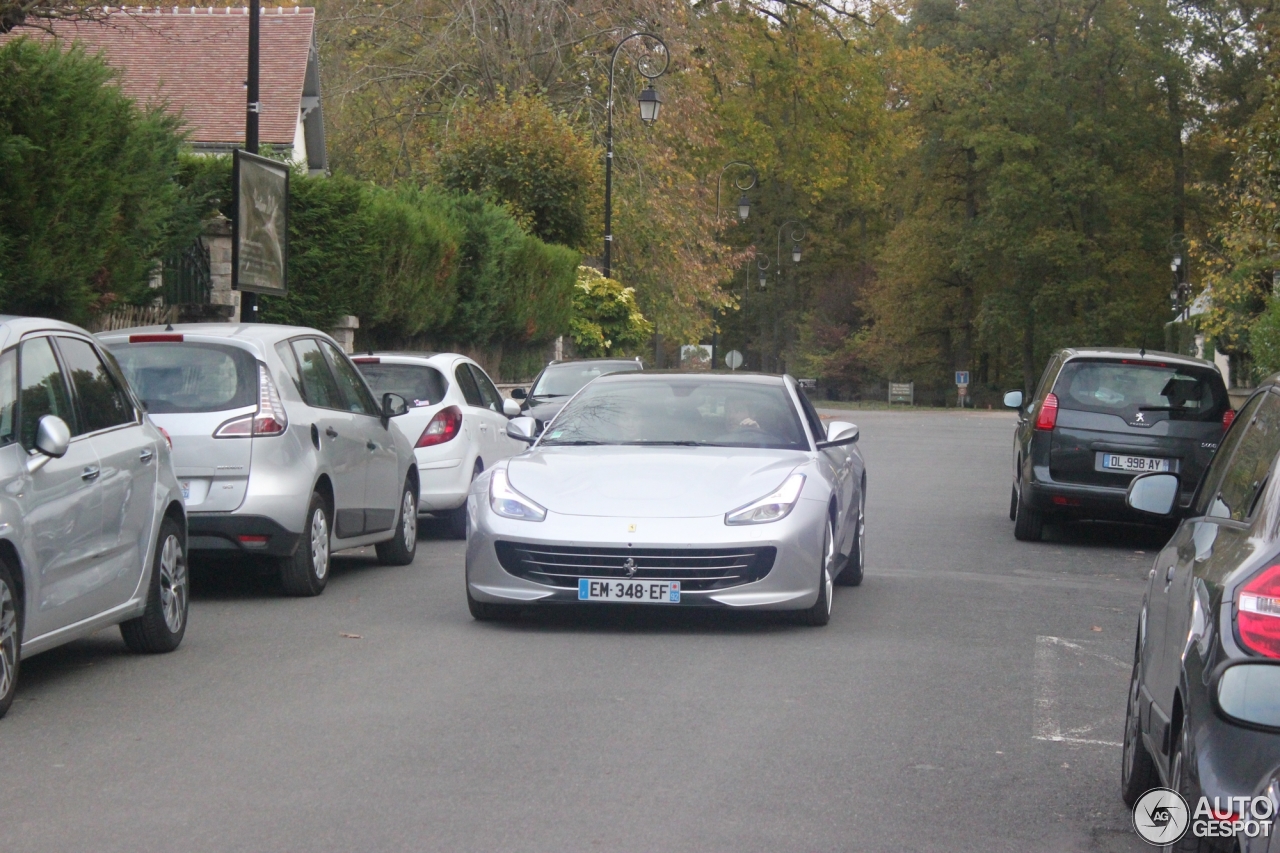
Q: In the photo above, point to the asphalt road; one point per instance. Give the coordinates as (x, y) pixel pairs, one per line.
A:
(969, 696)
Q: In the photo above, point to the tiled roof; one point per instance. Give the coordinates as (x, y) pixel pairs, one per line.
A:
(196, 60)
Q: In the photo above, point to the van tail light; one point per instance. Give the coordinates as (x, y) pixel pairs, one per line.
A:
(1227, 417)
(1047, 417)
(443, 427)
(270, 419)
(1258, 613)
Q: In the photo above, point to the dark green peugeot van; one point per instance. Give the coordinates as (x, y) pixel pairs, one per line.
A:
(1099, 418)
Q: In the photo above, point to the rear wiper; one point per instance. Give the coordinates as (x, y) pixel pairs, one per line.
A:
(1164, 408)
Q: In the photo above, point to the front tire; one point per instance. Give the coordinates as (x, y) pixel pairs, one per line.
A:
(851, 574)
(10, 637)
(400, 548)
(162, 625)
(307, 571)
(1028, 523)
(820, 613)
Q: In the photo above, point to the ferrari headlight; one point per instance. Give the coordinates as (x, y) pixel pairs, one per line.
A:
(508, 503)
(778, 504)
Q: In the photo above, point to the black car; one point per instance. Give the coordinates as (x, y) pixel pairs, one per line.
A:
(1100, 417)
(560, 380)
(1204, 701)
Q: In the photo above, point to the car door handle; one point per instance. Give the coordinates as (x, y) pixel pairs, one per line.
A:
(146, 455)
(90, 473)
(331, 432)
(1168, 577)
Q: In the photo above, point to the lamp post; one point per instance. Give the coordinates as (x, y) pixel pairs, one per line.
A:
(744, 210)
(744, 203)
(650, 106)
(1180, 295)
(253, 108)
(797, 234)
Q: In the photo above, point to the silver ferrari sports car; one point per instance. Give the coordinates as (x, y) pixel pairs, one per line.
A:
(672, 489)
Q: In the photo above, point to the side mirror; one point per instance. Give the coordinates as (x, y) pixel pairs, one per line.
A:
(839, 433)
(1249, 693)
(393, 405)
(53, 436)
(1013, 399)
(510, 408)
(523, 429)
(519, 393)
(1154, 494)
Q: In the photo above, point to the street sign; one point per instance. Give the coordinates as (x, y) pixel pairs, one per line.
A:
(902, 392)
(733, 359)
(962, 378)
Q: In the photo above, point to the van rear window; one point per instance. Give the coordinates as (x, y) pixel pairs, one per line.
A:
(1173, 392)
(172, 378)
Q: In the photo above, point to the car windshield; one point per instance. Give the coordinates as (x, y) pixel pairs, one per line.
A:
(189, 377)
(565, 380)
(418, 384)
(680, 411)
(1126, 387)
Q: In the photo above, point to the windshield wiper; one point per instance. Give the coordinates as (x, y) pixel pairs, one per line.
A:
(672, 444)
(583, 442)
(547, 396)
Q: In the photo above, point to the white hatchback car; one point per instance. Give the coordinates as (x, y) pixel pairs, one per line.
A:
(457, 424)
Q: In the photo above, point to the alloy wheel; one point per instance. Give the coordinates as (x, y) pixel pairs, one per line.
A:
(8, 638)
(409, 527)
(173, 584)
(320, 544)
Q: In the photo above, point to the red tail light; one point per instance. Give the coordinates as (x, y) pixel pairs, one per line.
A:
(365, 359)
(167, 439)
(270, 419)
(1228, 417)
(1047, 418)
(443, 427)
(1258, 613)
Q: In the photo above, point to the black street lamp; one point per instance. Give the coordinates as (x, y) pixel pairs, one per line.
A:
(797, 234)
(650, 106)
(744, 210)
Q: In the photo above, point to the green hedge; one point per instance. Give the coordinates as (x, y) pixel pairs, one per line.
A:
(418, 266)
(88, 196)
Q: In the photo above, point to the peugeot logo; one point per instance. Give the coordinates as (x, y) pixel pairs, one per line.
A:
(629, 566)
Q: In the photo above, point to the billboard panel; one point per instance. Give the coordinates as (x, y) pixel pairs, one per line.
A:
(260, 245)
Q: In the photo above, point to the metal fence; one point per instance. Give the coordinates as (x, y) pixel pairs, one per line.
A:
(186, 277)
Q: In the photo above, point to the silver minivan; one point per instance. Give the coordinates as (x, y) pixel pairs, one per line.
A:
(92, 527)
(281, 448)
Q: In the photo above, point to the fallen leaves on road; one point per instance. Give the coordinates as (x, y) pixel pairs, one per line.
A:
(347, 636)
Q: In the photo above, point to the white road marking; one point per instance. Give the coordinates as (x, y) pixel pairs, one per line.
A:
(1046, 724)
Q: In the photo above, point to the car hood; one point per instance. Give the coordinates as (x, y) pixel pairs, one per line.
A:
(545, 410)
(649, 482)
